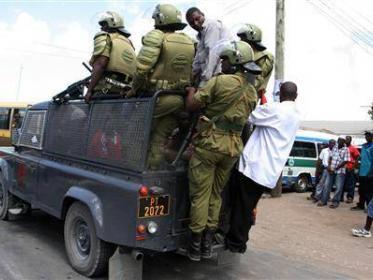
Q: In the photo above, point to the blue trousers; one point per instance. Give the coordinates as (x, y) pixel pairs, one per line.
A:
(337, 180)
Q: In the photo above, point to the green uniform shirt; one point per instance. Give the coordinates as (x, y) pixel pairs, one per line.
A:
(227, 101)
(265, 61)
(122, 59)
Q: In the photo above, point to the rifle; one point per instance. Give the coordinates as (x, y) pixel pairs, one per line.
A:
(187, 138)
(73, 91)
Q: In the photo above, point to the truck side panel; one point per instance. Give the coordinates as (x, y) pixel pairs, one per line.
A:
(112, 200)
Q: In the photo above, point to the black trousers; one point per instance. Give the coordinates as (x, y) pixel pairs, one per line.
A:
(244, 196)
(365, 190)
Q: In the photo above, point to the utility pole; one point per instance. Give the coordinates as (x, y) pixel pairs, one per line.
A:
(19, 82)
(280, 39)
(279, 67)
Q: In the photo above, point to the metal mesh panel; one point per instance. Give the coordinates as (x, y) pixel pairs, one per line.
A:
(118, 133)
(67, 129)
(32, 130)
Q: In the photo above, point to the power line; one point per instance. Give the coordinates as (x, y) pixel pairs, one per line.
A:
(41, 53)
(342, 27)
(359, 14)
(239, 7)
(359, 30)
(60, 47)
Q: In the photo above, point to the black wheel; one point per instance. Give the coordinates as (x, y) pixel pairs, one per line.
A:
(302, 184)
(5, 201)
(87, 254)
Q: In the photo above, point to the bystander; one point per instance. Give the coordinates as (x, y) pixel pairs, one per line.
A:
(324, 163)
(365, 182)
(337, 172)
(365, 230)
(349, 186)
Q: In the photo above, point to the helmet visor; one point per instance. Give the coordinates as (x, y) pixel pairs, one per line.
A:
(253, 68)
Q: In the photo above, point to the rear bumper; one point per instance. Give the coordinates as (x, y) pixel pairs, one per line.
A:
(161, 243)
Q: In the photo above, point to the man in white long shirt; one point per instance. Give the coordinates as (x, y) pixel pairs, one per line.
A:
(262, 161)
(206, 62)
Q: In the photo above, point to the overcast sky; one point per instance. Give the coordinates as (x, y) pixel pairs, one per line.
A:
(328, 49)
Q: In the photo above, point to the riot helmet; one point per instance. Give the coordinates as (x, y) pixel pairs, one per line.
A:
(251, 33)
(113, 21)
(167, 16)
(239, 53)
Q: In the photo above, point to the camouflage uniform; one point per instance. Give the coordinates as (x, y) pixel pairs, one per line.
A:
(164, 62)
(264, 60)
(252, 34)
(217, 145)
(122, 59)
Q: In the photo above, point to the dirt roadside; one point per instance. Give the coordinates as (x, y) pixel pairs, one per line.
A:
(299, 230)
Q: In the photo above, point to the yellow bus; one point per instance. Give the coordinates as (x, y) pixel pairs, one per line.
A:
(11, 117)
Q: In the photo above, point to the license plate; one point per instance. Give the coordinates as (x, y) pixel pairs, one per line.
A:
(154, 206)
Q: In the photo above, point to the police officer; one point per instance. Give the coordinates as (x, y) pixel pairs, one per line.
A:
(164, 63)
(226, 100)
(113, 56)
(251, 34)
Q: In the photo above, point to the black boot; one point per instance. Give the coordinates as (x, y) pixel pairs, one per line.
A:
(206, 249)
(194, 251)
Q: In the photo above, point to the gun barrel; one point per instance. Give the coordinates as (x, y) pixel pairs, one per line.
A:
(87, 67)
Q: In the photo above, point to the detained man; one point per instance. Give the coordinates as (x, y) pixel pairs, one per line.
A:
(210, 33)
(262, 161)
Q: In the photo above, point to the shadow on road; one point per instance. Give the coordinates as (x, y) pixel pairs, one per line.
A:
(35, 247)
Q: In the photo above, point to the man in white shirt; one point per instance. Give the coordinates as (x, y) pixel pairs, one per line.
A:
(210, 32)
(262, 161)
(324, 158)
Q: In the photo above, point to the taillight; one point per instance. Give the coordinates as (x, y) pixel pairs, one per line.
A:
(143, 191)
(141, 229)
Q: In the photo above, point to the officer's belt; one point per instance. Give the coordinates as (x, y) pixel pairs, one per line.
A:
(165, 84)
(229, 127)
(120, 77)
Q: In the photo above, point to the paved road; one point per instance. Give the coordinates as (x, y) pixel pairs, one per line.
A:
(33, 248)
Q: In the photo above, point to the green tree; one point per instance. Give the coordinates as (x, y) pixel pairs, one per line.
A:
(370, 112)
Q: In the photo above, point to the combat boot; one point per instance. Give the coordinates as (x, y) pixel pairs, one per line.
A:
(206, 248)
(194, 251)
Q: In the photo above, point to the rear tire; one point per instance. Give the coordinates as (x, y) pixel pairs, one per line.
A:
(302, 184)
(5, 201)
(87, 254)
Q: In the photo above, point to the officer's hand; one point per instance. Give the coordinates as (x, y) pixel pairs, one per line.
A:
(130, 93)
(187, 155)
(190, 90)
(88, 97)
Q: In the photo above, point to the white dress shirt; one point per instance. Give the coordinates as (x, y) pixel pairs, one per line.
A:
(269, 146)
(324, 156)
(206, 61)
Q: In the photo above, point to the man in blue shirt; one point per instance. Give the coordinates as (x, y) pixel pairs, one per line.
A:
(365, 178)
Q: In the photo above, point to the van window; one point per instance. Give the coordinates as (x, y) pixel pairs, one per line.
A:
(4, 118)
(18, 117)
(303, 149)
(321, 146)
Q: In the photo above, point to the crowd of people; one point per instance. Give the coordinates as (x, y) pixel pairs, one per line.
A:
(342, 166)
(222, 81)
